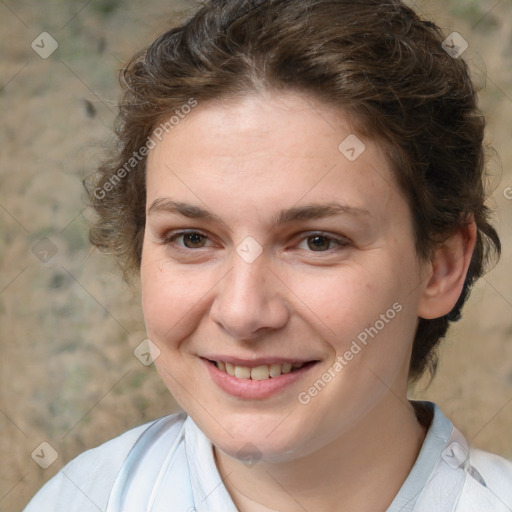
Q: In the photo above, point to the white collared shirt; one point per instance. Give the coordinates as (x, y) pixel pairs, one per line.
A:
(168, 466)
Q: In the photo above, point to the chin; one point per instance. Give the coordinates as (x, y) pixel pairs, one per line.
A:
(271, 441)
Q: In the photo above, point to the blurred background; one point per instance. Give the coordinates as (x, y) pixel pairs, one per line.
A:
(68, 323)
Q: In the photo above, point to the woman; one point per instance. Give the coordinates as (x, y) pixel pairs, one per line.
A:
(299, 185)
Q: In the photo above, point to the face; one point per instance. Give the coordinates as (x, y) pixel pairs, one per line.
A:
(278, 250)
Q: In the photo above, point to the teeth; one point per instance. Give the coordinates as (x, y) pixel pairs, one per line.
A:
(242, 372)
(261, 372)
(230, 369)
(287, 368)
(275, 370)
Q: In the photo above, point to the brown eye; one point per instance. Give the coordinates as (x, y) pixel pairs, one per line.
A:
(188, 240)
(319, 243)
(194, 240)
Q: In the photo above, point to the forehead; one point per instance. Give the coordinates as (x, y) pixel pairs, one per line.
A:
(263, 150)
(300, 121)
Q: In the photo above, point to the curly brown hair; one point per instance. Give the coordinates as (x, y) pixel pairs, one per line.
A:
(376, 60)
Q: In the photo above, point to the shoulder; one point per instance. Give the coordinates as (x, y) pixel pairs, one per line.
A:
(496, 467)
(87, 480)
(488, 485)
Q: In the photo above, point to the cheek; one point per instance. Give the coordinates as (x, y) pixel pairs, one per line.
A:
(172, 308)
(342, 300)
(365, 303)
(170, 299)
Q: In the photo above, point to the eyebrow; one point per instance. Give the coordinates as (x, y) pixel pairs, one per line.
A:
(306, 212)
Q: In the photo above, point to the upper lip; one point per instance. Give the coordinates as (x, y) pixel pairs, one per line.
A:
(256, 361)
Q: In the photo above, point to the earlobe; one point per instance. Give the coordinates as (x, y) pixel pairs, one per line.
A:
(449, 266)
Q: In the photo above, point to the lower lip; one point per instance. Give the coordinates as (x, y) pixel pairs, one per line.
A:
(255, 389)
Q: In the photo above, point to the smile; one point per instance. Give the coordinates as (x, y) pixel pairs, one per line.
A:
(261, 380)
(260, 372)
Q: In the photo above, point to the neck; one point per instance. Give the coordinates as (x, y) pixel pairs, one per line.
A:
(361, 470)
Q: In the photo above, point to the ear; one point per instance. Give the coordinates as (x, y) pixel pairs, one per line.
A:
(447, 271)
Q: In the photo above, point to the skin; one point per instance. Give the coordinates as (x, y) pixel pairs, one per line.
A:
(244, 160)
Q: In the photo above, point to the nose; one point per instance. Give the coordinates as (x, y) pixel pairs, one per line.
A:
(250, 300)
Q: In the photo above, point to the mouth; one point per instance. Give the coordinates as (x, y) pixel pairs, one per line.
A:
(260, 372)
(256, 380)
